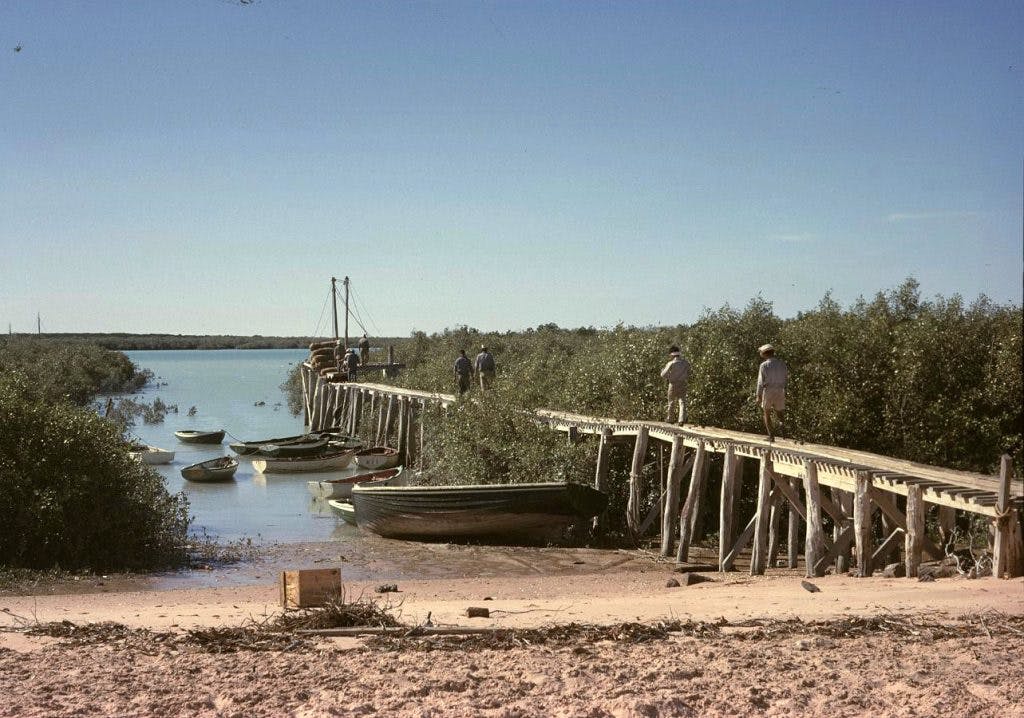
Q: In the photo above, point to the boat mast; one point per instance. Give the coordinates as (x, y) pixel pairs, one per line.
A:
(345, 282)
(334, 305)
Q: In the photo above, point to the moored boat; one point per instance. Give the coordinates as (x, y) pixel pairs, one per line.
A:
(190, 436)
(345, 509)
(246, 448)
(292, 449)
(150, 454)
(342, 488)
(378, 457)
(326, 461)
(509, 512)
(220, 469)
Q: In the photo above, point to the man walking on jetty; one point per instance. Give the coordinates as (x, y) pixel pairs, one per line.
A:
(364, 350)
(771, 389)
(463, 372)
(677, 373)
(485, 368)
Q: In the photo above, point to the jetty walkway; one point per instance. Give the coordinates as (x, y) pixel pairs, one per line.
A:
(806, 482)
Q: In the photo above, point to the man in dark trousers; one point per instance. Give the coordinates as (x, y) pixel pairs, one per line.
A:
(485, 368)
(352, 364)
(364, 350)
(463, 372)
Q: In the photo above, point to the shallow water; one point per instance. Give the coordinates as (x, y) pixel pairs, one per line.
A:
(224, 386)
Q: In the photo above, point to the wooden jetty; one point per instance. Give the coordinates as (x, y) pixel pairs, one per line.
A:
(806, 482)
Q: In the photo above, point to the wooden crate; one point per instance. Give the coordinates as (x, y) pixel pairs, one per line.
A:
(309, 587)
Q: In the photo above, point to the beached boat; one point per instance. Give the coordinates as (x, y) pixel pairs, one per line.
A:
(345, 509)
(326, 461)
(342, 488)
(378, 457)
(150, 454)
(190, 436)
(500, 511)
(220, 469)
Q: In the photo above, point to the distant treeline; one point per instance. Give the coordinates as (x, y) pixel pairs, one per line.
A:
(129, 342)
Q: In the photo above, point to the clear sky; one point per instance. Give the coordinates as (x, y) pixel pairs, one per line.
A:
(205, 166)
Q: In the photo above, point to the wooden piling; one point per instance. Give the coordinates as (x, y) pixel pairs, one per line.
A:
(915, 529)
(692, 504)
(814, 547)
(775, 518)
(403, 409)
(601, 474)
(1006, 549)
(862, 524)
(793, 535)
(636, 487)
(730, 476)
(673, 482)
(762, 518)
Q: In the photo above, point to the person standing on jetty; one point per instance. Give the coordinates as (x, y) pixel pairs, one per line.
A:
(364, 350)
(485, 368)
(463, 372)
(771, 389)
(352, 364)
(677, 373)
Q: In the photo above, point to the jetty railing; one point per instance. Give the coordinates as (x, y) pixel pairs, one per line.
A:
(807, 482)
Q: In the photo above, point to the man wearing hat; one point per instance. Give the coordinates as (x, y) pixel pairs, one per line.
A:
(485, 368)
(677, 373)
(771, 388)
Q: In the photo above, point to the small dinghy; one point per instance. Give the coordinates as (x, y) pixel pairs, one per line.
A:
(247, 448)
(150, 454)
(220, 469)
(327, 461)
(342, 488)
(378, 457)
(190, 436)
(345, 509)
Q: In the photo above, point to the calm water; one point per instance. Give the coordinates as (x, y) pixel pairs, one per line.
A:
(225, 387)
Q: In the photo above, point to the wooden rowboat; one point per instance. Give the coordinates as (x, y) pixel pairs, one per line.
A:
(220, 469)
(505, 512)
(295, 448)
(378, 457)
(299, 445)
(245, 448)
(326, 461)
(150, 454)
(342, 488)
(345, 510)
(200, 437)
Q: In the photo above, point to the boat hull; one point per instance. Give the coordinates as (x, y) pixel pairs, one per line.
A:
(153, 455)
(378, 458)
(324, 462)
(222, 469)
(342, 488)
(200, 437)
(506, 512)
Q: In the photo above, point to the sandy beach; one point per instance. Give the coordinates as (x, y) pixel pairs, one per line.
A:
(768, 665)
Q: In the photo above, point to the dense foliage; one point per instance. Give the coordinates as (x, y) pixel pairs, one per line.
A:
(937, 381)
(72, 497)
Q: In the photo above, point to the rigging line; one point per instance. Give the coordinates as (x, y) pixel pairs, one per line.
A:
(370, 319)
(323, 309)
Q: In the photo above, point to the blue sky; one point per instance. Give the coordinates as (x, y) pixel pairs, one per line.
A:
(205, 166)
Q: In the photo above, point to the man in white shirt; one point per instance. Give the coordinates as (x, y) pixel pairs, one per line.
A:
(677, 373)
(771, 388)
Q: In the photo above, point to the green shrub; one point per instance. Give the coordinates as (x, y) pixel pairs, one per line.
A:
(72, 497)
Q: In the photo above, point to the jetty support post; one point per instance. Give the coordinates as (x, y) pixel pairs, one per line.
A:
(793, 537)
(762, 518)
(862, 524)
(673, 482)
(914, 541)
(1008, 544)
(730, 475)
(403, 417)
(601, 474)
(814, 547)
(691, 506)
(304, 376)
(636, 487)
